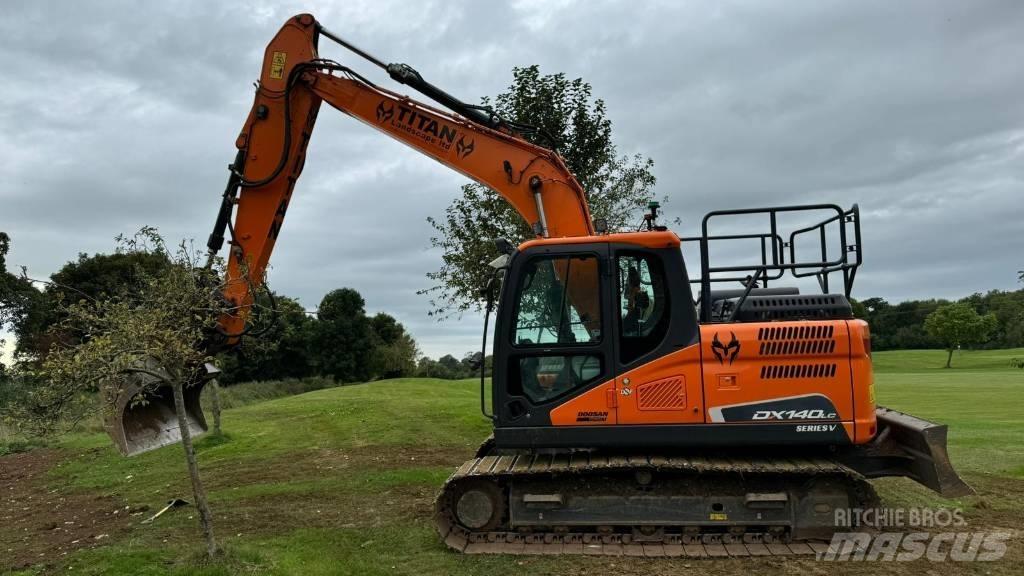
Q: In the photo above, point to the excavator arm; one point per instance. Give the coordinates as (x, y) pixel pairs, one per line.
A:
(271, 154)
(272, 146)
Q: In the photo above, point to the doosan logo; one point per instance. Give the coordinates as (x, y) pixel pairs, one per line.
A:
(793, 415)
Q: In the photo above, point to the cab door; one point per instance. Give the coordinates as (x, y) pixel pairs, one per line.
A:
(657, 353)
(553, 328)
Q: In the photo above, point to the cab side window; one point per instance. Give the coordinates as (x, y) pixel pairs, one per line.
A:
(559, 302)
(557, 325)
(643, 305)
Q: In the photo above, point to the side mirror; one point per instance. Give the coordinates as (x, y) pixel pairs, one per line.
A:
(504, 246)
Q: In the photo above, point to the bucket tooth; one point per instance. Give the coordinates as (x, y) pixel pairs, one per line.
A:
(911, 447)
(142, 416)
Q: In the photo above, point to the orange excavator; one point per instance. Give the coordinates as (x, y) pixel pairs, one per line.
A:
(626, 412)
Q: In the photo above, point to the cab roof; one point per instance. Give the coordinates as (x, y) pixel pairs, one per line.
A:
(646, 239)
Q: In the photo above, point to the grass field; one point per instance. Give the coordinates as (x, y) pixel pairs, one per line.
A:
(341, 481)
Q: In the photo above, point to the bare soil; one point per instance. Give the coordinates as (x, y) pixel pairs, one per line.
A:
(41, 524)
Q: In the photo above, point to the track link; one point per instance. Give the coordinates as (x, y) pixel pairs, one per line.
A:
(492, 472)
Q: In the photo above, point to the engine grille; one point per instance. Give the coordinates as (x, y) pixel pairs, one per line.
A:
(798, 371)
(811, 339)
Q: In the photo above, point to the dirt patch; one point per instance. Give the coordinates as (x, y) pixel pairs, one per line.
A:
(41, 524)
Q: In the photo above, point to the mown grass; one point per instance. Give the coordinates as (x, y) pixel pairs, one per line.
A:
(13, 441)
(935, 360)
(245, 393)
(341, 480)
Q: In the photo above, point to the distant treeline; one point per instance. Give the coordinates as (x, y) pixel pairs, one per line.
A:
(341, 341)
(338, 340)
(901, 326)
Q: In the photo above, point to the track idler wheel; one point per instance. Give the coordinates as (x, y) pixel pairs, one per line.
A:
(479, 506)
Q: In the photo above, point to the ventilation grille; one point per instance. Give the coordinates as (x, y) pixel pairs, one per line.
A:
(808, 331)
(795, 307)
(794, 347)
(813, 339)
(798, 371)
(667, 394)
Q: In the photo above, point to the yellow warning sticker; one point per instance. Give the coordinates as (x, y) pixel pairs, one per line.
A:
(719, 516)
(277, 65)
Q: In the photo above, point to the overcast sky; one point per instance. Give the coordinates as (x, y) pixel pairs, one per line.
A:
(120, 114)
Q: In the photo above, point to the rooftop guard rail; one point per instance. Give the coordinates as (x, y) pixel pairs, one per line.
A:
(779, 251)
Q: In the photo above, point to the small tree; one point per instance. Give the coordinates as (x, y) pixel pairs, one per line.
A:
(157, 334)
(957, 325)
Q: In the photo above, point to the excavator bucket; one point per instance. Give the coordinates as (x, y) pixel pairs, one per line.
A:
(911, 447)
(143, 416)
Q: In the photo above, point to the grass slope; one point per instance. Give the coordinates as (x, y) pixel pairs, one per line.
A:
(341, 481)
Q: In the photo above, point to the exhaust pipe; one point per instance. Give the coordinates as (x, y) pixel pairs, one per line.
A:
(911, 447)
(143, 416)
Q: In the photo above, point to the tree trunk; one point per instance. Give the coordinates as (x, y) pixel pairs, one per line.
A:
(949, 359)
(215, 400)
(198, 492)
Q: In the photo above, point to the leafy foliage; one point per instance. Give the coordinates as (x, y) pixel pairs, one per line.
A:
(283, 351)
(617, 186)
(448, 367)
(343, 336)
(157, 330)
(93, 278)
(958, 325)
(901, 326)
(394, 350)
(16, 292)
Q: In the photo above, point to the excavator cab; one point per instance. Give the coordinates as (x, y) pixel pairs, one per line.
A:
(600, 344)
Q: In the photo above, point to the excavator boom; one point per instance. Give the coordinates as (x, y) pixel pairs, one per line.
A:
(272, 147)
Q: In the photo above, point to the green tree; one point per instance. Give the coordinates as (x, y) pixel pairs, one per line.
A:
(394, 350)
(617, 186)
(16, 292)
(283, 351)
(957, 325)
(343, 334)
(98, 276)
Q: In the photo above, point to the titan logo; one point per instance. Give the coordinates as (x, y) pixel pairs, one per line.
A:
(384, 113)
(722, 351)
(419, 124)
(793, 415)
(464, 148)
